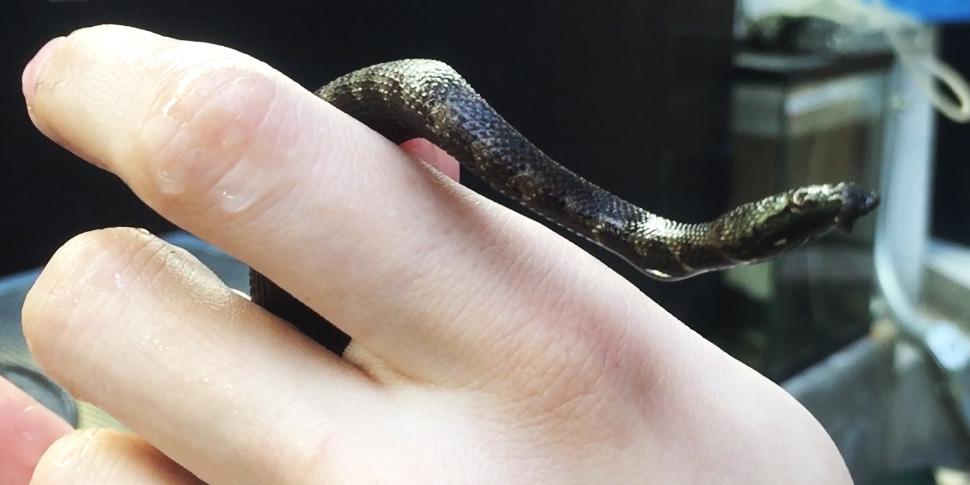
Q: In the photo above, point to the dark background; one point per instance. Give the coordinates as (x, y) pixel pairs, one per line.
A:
(951, 188)
(631, 94)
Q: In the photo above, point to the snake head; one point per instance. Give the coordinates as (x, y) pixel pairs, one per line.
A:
(856, 202)
(781, 223)
(834, 206)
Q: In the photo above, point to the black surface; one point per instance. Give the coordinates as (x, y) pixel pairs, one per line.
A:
(951, 196)
(632, 95)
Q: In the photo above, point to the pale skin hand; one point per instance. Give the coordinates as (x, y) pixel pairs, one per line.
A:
(487, 349)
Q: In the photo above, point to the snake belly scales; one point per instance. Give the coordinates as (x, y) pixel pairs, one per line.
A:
(419, 98)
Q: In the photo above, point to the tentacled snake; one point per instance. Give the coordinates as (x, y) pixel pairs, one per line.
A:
(417, 98)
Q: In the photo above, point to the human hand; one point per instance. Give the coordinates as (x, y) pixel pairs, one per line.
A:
(486, 349)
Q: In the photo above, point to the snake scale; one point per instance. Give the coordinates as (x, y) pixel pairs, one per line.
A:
(418, 98)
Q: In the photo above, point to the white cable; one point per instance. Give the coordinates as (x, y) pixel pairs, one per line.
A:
(917, 65)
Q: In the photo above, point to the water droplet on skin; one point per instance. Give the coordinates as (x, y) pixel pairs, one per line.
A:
(234, 202)
(120, 282)
(160, 134)
(237, 190)
(168, 181)
(30, 433)
(169, 105)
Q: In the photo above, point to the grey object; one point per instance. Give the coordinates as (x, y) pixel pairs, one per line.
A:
(796, 120)
(42, 389)
(879, 401)
(901, 241)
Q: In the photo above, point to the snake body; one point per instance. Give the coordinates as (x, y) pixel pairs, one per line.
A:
(419, 98)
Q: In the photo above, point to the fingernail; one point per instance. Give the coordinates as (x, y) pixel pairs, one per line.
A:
(29, 78)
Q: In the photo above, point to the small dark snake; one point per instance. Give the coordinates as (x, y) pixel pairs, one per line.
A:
(409, 99)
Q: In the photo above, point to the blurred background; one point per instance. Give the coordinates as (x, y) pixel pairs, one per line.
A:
(686, 108)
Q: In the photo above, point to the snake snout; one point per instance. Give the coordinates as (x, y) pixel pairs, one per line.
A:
(856, 202)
